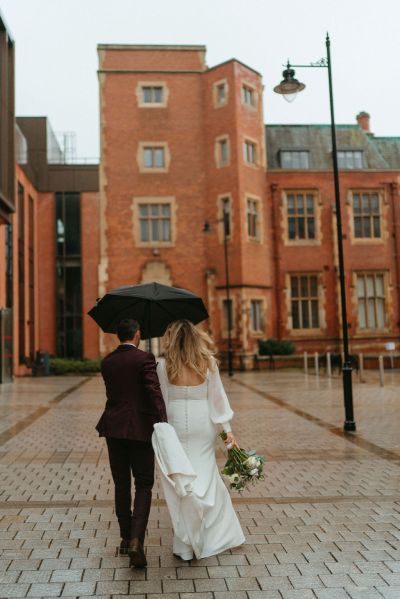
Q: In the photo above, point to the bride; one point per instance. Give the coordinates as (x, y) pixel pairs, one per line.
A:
(198, 409)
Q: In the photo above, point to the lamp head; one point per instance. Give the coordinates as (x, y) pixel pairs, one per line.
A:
(207, 227)
(289, 86)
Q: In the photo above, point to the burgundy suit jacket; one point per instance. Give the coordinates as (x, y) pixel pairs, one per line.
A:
(134, 398)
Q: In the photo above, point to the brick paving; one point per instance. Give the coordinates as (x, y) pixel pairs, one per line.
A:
(325, 524)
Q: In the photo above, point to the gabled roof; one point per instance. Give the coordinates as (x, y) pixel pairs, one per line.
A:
(379, 153)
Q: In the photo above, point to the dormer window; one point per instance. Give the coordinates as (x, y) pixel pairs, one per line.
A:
(295, 159)
(350, 159)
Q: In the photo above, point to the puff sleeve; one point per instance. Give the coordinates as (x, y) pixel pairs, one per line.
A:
(162, 377)
(220, 410)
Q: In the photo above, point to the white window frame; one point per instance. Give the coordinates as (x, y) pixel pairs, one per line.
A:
(215, 93)
(151, 200)
(145, 145)
(218, 153)
(375, 298)
(250, 143)
(140, 94)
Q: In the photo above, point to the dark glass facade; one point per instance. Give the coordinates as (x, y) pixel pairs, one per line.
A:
(9, 266)
(21, 272)
(68, 275)
(31, 266)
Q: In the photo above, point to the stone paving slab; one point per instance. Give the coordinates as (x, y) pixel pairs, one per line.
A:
(325, 524)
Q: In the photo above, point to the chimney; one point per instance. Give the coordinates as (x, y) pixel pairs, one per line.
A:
(363, 121)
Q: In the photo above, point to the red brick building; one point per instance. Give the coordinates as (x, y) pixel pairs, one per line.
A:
(301, 197)
(180, 141)
(180, 144)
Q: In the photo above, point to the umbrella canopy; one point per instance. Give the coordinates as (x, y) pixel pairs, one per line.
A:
(153, 305)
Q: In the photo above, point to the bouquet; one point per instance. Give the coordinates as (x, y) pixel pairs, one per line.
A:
(242, 467)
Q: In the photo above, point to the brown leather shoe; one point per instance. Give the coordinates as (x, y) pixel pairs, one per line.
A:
(137, 558)
(124, 546)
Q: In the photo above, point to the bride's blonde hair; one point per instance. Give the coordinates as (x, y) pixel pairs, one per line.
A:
(186, 346)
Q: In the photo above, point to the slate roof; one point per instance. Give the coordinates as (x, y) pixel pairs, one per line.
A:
(379, 153)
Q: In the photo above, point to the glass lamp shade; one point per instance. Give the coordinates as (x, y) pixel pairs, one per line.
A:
(290, 97)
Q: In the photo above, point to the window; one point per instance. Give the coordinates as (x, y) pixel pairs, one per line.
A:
(226, 214)
(366, 215)
(220, 93)
(153, 157)
(256, 322)
(249, 152)
(350, 159)
(252, 218)
(152, 94)
(155, 222)
(222, 151)
(304, 301)
(68, 275)
(301, 216)
(227, 315)
(295, 159)
(248, 95)
(371, 300)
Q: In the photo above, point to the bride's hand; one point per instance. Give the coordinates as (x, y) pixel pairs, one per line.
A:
(230, 440)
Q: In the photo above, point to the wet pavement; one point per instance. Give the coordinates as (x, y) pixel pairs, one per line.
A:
(325, 523)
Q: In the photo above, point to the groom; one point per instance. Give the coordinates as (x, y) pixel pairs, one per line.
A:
(134, 404)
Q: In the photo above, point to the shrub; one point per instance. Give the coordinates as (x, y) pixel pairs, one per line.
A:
(71, 366)
(274, 347)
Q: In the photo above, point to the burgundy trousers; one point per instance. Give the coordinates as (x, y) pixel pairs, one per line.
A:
(132, 458)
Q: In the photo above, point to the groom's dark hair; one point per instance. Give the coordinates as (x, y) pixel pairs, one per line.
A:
(127, 329)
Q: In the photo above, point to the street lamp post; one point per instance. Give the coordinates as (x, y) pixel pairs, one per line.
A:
(207, 229)
(289, 87)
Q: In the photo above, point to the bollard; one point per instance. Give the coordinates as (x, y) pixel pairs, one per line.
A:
(361, 367)
(305, 363)
(381, 371)
(316, 364)
(328, 365)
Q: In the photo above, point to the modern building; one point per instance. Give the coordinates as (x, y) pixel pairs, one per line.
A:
(57, 212)
(7, 198)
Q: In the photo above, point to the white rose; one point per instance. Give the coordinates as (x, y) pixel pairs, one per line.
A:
(254, 471)
(233, 478)
(251, 462)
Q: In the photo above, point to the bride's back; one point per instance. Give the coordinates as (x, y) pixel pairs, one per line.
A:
(187, 378)
(188, 354)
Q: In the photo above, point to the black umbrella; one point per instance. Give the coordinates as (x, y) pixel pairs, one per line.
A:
(153, 305)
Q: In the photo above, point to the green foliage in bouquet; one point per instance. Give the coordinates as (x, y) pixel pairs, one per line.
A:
(242, 467)
(274, 347)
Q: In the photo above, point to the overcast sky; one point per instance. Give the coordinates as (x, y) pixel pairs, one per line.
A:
(56, 57)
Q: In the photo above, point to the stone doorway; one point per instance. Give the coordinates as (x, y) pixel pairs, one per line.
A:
(158, 272)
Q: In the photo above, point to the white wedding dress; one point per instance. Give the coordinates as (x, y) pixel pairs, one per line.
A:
(200, 506)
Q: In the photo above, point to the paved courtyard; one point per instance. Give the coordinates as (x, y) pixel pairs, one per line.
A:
(325, 524)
